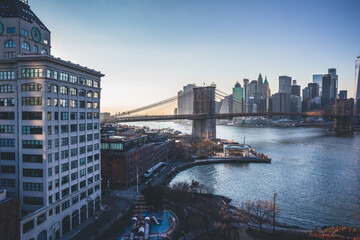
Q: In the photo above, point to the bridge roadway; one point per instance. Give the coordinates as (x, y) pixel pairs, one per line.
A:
(225, 116)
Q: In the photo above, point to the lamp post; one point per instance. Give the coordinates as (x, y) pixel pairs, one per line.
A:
(274, 213)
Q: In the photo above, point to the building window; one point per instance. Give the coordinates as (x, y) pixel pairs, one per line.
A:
(35, 187)
(31, 101)
(24, 32)
(89, 94)
(44, 51)
(25, 46)
(7, 88)
(7, 115)
(30, 158)
(73, 79)
(4, 142)
(46, 41)
(31, 72)
(74, 176)
(73, 91)
(64, 116)
(32, 115)
(81, 115)
(96, 84)
(10, 44)
(5, 183)
(10, 30)
(64, 90)
(65, 154)
(7, 75)
(64, 102)
(89, 105)
(31, 87)
(64, 77)
(82, 93)
(7, 102)
(64, 180)
(36, 49)
(73, 115)
(73, 103)
(10, 129)
(89, 83)
(96, 95)
(33, 201)
(7, 169)
(32, 144)
(74, 140)
(9, 156)
(31, 130)
(32, 172)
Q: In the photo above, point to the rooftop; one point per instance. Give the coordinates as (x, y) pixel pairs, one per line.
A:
(52, 59)
(17, 8)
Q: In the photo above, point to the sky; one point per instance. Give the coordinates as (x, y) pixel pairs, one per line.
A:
(149, 49)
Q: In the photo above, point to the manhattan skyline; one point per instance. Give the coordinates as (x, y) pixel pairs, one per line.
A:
(148, 50)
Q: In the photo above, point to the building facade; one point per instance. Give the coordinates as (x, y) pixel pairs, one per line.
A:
(326, 90)
(285, 84)
(50, 128)
(125, 158)
(317, 78)
(357, 81)
(9, 217)
(238, 93)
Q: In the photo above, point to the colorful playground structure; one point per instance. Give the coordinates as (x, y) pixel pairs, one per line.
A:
(150, 225)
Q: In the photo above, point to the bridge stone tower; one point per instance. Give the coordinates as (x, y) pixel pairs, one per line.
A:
(343, 107)
(204, 103)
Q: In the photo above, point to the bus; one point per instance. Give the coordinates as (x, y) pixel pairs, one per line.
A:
(149, 173)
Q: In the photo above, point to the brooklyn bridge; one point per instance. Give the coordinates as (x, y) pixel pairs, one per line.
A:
(204, 113)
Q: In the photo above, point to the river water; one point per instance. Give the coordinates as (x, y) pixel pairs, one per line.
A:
(315, 173)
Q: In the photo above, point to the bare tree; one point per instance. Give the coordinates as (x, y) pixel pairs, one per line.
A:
(260, 211)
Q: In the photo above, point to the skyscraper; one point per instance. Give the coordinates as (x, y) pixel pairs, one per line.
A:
(313, 90)
(246, 95)
(326, 90)
(260, 86)
(285, 84)
(238, 92)
(334, 83)
(295, 89)
(266, 88)
(357, 80)
(50, 128)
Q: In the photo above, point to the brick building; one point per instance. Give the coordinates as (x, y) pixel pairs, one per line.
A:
(122, 157)
(9, 217)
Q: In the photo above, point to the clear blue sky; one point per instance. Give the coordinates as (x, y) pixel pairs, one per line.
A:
(149, 49)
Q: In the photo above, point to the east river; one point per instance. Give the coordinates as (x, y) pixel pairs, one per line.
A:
(315, 173)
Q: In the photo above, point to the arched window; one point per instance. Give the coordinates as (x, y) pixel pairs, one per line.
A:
(7, 88)
(36, 49)
(73, 91)
(89, 94)
(55, 88)
(10, 44)
(44, 51)
(64, 90)
(96, 95)
(31, 87)
(25, 46)
(82, 93)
